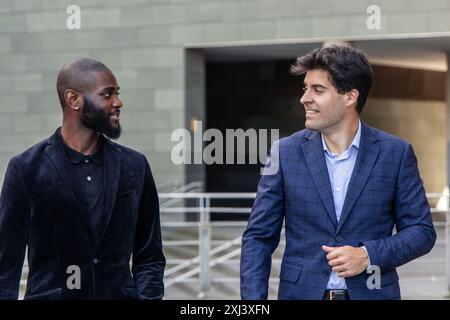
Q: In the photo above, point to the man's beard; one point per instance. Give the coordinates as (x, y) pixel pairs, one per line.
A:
(93, 117)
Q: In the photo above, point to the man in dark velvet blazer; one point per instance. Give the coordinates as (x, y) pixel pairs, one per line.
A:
(82, 204)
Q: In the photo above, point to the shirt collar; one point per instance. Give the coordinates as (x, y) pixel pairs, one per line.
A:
(355, 142)
(76, 157)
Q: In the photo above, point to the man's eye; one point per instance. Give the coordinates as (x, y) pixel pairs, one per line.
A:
(304, 89)
(318, 91)
(109, 94)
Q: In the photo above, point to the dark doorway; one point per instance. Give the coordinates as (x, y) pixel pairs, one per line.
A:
(258, 95)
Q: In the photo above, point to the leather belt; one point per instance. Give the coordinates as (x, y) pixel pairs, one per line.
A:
(336, 295)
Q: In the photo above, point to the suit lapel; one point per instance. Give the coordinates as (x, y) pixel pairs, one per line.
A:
(315, 159)
(56, 153)
(367, 155)
(111, 175)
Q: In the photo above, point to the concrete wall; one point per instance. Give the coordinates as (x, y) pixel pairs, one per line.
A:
(421, 123)
(143, 42)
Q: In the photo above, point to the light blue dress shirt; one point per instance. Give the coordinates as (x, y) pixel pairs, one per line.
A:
(340, 168)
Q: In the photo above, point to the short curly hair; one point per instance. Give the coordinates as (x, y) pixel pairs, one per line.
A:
(348, 68)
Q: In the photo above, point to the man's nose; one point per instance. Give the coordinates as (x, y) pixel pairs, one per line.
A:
(305, 98)
(117, 103)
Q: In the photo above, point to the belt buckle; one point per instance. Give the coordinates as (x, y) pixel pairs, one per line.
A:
(332, 294)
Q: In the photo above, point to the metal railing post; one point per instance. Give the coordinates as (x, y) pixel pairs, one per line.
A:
(204, 245)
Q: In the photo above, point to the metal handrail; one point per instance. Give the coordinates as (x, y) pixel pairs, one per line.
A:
(211, 209)
(195, 260)
(209, 195)
(194, 186)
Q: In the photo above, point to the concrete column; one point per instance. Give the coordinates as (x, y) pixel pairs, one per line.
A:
(195, 110)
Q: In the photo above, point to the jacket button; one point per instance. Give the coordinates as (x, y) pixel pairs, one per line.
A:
(96, 261)
(338, 239)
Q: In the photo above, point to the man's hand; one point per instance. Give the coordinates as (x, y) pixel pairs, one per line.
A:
(347, 261)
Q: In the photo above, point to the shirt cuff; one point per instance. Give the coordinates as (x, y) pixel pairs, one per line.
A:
(368, 257)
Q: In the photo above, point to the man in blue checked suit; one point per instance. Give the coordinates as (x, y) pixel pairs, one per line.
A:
(341, 188)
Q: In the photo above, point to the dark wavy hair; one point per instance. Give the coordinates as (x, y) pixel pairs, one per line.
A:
(348, 68)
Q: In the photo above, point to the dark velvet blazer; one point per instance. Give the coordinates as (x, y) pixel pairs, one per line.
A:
(40, 209)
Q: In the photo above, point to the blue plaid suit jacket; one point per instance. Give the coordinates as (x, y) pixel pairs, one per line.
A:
(385, 191)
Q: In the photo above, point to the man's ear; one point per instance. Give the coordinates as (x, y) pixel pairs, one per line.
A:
(73, 99)
(351, 97)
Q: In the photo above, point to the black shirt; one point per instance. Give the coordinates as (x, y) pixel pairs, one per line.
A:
(88, 174)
